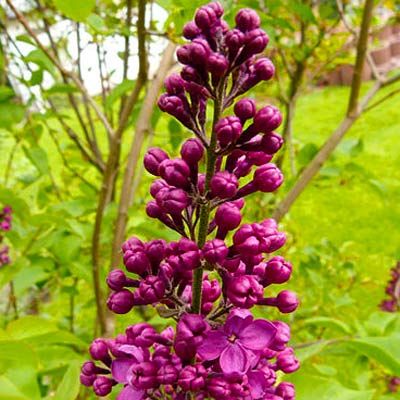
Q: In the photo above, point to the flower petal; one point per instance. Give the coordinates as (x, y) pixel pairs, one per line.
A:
(257, 384)
(130, 393)
(213, 345)
(234, 358)
(133, 351)
(120, 368)
(235, 324)
(257, 335)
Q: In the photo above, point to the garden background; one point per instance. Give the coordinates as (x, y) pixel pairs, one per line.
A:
(79, 81)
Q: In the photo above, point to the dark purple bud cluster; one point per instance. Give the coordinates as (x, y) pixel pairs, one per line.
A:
(5, 226)
(392, 303)
(220, 268)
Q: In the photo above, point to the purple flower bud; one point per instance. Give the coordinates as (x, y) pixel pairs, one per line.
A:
(287, 362)
(142, 334)
(217, 7)
(167, 375)
(132, 244)
(267, 119)
(102, 386)
(205, 17)
(190, 74)
(233, 264)
(144, 375)
(245, 109)
(89, 368)
(282, 336)
(117, 280)
(157, 185)
(192, 378)
(199, 51)
(267, 178)
(264, 69)
(121, 302)
(287, 301)
(217, 64)
(211, 290)
(218, 387)
(286, 391)
(152, 289)
(215, 251)
(175, 172)
(155, 250)
(177, 107)
(258, 158)
(99, 350)
(192, 151)
(247, 20)
(224, 185)
(87, 380)
(228, 130)
(256, 41)
(174, 84)
(271, 143)
(173, 201)
(278, 270)
(191, 31)
(234, 40)
(153, 158)
(244, 291)
(228, 216)
(136, 261)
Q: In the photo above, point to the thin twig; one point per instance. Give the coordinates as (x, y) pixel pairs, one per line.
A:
(60, 67)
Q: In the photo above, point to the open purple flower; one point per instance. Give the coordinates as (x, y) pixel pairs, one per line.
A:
(237, 342)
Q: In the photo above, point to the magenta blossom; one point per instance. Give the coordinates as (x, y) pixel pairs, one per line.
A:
(237, 342)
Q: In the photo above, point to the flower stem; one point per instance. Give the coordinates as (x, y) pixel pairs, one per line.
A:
(205, 207)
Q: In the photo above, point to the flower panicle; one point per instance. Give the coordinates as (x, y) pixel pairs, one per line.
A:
(5, 226)
(209, 279)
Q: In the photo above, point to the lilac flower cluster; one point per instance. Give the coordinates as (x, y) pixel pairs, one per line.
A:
(220, 268)
(392, 303)
(5, 226)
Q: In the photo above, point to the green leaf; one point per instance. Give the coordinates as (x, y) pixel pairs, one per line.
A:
(329, 322)
(175, 133)
(310, 387)
(96, 22)
(307, 352)
(8, 390)
(6, 93)
(38, 158)
(61, 88)
(10, 113)
(384, 350)
(77, 10)
(39, 58)
(30, 326)
(307, 153)
(119, 90)
(68, 388)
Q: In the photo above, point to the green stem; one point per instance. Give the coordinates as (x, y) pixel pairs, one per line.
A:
(205, 207)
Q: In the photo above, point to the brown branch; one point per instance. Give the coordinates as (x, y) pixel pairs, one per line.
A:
(354, 110)
(60, 67)
(111, 170)
(91, 139)
(142, 127)
(362, 45)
